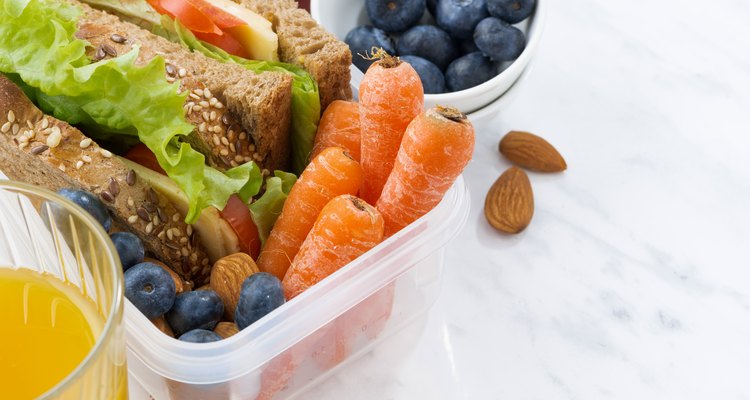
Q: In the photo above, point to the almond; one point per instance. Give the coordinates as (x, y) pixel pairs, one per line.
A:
(509, 205)
(226, 329)
(179, 284)
(227, 276)
(163, 325)
(532, 152)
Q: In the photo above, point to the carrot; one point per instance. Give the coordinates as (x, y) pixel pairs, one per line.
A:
(371, 315)
(339, 127)
(330, 174)
(366, 319)
(436, 148)
(345, 229)
(280, 370)
(277, 373)
(390, 96)
(335, 348)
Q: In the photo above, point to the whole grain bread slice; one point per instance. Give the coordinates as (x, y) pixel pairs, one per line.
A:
(239, 115)
(44, 151)
(305, 43)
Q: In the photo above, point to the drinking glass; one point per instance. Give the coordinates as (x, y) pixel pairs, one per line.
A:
(42, 231)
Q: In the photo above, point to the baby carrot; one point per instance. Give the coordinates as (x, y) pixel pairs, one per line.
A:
(345, 229)
(278, 372)
(330, 174)
(390, 96)
(436, 148)
(368, 319)
(339, 127)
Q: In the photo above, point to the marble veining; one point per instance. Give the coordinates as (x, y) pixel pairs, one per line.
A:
(633, 280)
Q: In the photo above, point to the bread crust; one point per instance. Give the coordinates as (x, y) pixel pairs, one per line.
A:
(305, 43)
(25, 155)
(243, 116)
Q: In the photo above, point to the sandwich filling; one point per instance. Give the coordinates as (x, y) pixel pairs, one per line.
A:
(116, 100)
(185, 28)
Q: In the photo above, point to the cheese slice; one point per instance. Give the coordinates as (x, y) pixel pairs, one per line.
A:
(258, 37)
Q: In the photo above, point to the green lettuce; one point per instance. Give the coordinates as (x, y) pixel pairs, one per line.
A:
(267, 209)
(70, 110)
(305, 96)
(39, 45)
(135, 11)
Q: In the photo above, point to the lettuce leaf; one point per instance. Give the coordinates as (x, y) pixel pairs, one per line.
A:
(136, 11)
(267, 209)
(69, 109)
(39, 45)
(305, 96)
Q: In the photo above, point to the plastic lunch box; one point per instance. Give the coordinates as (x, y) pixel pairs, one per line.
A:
(315, 334)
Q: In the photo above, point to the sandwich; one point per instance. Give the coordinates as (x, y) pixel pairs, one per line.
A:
(165, 127)
(301, 41)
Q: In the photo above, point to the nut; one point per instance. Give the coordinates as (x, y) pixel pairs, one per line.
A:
(226, 329)
(227, 276)
(163, 325)
(509, 204)
(532, 152)
(179, 284)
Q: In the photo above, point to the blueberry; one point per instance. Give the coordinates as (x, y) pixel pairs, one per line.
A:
(362, 39)
(200, 336)
(395, 15)
(429, 42)
(261, 293)
(469, 71)
(499, 40)
(460, 17)
(432, 78)
(150, 288)
(199, 309)
(467, 46)
(90, 203)
(129, 247)
(511, 11)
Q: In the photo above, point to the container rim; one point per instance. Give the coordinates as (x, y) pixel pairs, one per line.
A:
(210, 363)
(114, 262)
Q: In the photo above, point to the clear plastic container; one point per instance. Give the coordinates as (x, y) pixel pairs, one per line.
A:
(314, 335)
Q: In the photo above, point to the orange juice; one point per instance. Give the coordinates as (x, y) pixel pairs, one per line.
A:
(47, 328)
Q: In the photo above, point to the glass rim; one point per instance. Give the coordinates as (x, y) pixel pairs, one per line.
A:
(114, 262)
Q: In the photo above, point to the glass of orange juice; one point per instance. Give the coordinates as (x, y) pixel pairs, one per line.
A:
(61, 300)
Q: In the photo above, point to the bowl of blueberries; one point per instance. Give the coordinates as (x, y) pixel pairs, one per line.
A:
(468, 53)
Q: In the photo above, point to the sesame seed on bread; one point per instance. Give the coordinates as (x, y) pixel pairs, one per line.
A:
(44, 151)
(239, 115)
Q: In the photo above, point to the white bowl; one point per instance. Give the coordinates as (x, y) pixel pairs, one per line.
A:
(485, 116)
(341, 16)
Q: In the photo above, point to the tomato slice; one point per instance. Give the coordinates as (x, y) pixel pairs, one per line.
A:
(187, 14)
(221, 18)
(235, 213)
(206, 21)
(226, 42)
(238, 216)
(142, 155)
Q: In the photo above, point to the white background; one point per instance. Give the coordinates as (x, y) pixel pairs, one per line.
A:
(633, 280)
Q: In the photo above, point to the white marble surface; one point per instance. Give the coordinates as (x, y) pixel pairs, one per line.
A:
(633, 280)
